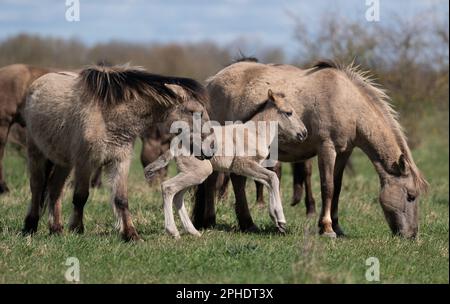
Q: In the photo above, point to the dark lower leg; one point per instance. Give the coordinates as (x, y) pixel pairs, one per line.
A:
(241, 206)
(309, 198)
(127, 229)
(204, 212)
(341, 161)
(259, 194)
(80, 197)
(298, 172)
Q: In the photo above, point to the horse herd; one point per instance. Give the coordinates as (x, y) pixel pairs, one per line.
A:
(87, 120)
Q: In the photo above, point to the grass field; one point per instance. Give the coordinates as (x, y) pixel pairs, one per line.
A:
(224, 255)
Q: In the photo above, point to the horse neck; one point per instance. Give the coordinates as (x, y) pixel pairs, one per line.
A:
(379, 142)
(260, 118)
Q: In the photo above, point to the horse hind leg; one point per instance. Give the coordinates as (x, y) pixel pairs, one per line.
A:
(40, 169)
(56, 184)
(80, 196)
(184, 216)
(309, 197)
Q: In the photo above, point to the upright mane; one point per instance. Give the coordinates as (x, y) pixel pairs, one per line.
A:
(120, 84)
(378, 97)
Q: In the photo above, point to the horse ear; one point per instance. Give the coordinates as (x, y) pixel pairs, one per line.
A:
(402, 166)
(177, 90)
(270, 95)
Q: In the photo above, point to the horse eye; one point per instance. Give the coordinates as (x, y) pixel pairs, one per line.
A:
(410, 198)
(288, 113)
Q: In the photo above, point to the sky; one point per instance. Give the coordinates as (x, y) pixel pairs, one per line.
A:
(266, 22)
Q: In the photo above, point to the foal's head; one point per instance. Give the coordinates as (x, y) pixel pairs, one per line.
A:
(279, 109)
(192, 112)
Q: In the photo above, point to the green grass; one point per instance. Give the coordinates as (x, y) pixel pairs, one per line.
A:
(224, 255)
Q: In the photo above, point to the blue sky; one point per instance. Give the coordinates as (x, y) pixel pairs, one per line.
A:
(261, 21)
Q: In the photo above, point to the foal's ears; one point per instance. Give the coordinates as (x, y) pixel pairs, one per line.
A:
(401, 166)
(177, 90)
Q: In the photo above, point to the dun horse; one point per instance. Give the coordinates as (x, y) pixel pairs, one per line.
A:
(193, 172)
(87, 120)
(14, 82)
(342, 109)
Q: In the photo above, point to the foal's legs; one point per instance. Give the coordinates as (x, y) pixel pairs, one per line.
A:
(269, 179)
(326, 159)
(56, 184)
(119, 174)
(184, 216)
(260, 188)
(40, 169)
(193, 173)
(341, 161)
(80, 196)
(302, 172)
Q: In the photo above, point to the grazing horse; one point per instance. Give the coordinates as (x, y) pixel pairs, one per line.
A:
(193, 172)
(342, 109)
(91, 119)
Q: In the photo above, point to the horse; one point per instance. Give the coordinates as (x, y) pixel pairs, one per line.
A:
(14, 82)
(342, 108)
(193, 172)
(83, 121)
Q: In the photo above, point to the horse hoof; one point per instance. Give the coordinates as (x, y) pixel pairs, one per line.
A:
(79, 229)
(252, 229)
(310, 214)
(56, 229)
(339, 232)
(282, 228)
(3, 188)
(331, 235)
(295, 202)
(132, 237)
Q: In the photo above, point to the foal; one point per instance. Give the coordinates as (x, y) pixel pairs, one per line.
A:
(193, 171)
(90, 120)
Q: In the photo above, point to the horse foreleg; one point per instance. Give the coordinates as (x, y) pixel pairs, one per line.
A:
(326, 159)
(259, 187)
(241, 206)
(341, 161)
(298, 172)
(40, 169)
